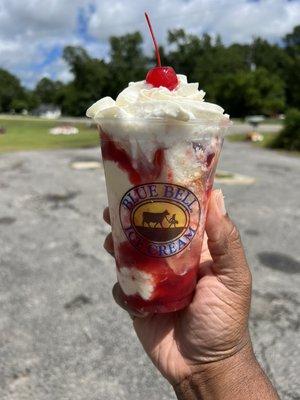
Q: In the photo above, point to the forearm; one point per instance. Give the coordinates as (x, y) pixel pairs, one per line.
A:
(238, 377)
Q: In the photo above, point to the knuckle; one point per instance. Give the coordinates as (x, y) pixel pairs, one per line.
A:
(234, 236)
(224, 244)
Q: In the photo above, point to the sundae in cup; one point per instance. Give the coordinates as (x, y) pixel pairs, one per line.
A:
(160, 143)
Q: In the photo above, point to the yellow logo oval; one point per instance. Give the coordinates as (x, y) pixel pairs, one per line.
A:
(160, 221)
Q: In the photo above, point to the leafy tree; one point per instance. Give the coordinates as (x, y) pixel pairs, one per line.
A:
(269, 56)
(289, 137)
(127, 61)
(205, 60)
(292, 72)
(91, 81)
(292, 81)
(253, 92)
(292, 42)
(47, 90)
(185, 50)
(71, 102)
(32, 100)
(10, 90)
(18, 105)
(218, 62)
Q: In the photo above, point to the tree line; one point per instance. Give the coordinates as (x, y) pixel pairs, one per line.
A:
(245, 79)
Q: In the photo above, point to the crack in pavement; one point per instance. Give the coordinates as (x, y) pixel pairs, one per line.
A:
(78, 302)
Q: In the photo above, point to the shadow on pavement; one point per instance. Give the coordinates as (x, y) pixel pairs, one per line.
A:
(279, 262)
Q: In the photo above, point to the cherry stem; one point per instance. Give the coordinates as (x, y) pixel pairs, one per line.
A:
(154, 40)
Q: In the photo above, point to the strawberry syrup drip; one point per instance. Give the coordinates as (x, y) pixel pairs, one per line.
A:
(158, 163)
(169, 295)
(111, 151)
(209, 159)
(171, 291)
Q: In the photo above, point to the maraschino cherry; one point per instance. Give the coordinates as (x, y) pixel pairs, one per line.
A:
(160, 76)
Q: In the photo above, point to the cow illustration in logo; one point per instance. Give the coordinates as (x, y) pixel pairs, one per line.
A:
(159, 219)
(156, 218)
(151, 220)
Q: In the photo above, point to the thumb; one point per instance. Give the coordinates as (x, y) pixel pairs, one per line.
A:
(224, 243)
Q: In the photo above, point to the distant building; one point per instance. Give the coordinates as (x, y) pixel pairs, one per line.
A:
(49, 111)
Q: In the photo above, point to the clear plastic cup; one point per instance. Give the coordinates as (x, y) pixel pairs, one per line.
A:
(159, 175)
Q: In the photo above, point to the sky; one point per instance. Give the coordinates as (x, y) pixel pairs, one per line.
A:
(33, 33)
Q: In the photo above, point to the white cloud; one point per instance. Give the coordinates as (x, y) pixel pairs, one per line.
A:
(235, 20)
(30, 30)
(33, 16)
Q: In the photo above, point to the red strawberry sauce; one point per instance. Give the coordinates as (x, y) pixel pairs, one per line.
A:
(111, 151)
(171, 291)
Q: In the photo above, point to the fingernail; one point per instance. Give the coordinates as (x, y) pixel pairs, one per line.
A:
(220, 202)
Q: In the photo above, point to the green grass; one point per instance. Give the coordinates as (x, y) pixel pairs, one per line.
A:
(31, 134)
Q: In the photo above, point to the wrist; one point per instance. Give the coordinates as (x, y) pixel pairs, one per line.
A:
(213, 379)
(227, 366)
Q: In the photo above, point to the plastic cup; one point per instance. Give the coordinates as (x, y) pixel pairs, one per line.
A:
(159, 175)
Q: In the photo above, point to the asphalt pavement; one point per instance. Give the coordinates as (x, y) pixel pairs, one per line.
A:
(61, 335)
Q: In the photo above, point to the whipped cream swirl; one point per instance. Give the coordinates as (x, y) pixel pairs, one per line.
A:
(141, 100)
